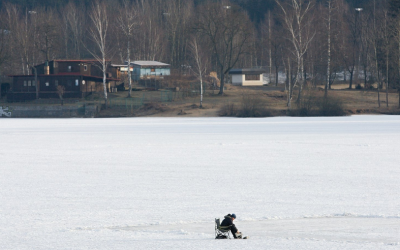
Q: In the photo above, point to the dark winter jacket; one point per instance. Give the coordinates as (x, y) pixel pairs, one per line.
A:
(228, 222)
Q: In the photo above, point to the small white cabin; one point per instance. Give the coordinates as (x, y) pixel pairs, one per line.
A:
(247, 77)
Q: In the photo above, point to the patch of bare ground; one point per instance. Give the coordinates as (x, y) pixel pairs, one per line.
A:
(355, 101)
(148, 109)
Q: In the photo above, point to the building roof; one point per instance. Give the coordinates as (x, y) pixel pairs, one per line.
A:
(68, 74)
(72, 61)
(118, 65)
(246, 71)
(149, 63)
(79, 60)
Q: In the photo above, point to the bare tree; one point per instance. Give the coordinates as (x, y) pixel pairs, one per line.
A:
(74, 24)
(127, 21)
(387, 36)
(201, 62)
(23, 30)
(5, 39)
(229, 33)
(350, 43)
(177, 15)
(297, 16)
(396, 32)
(365, 48)
(48, 33)
(150, 41)
(270, 46)
(375, 38)
(98, 31)
(329, 24)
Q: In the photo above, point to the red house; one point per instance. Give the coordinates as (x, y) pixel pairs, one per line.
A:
(79, 77)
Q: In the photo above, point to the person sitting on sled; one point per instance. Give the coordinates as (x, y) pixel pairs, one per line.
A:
(228, 221)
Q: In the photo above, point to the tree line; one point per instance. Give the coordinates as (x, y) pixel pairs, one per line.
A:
(310, 42)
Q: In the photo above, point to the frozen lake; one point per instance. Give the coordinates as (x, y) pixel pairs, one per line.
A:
(158, 183)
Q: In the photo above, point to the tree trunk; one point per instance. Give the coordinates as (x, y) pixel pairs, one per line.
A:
(379, 95)
(289, 76)
(387, 77)
(276, 76)
(221, 85)
(129, 69)
(351, 80)
(201, 91)
(104, 82)
(365, 77)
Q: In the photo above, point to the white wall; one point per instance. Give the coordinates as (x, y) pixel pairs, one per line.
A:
(237, 79)
(253, 83)
(240, 81)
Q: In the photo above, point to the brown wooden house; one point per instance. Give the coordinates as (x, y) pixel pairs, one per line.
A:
(79, 77)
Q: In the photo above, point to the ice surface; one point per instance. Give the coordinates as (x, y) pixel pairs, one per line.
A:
(158, 183)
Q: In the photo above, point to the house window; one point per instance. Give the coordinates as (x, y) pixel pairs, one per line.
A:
(56, 83)
(29, 83)
(47, 84)
(252, 77)
(76, 82)
(25, 84)
(69, 68)
(85, 67)
(33, 83)
(153, 70)
(69, 83)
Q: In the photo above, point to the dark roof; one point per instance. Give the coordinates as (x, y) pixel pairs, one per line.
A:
(246, 71)
(73, 61)
(68, 74)
(79, 60)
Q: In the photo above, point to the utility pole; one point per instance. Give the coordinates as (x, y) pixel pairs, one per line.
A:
(358, 11)
(329, 49)
(270, 48)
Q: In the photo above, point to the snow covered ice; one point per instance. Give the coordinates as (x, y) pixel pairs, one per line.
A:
(158, 183)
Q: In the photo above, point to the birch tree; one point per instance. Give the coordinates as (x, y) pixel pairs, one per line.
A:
(23, 34)
(127, 21)
(297, 17)
(98, 31)
(200, 62)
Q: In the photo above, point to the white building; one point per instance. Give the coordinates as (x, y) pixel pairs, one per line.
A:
(142, 70)
(247, 77)
(150, 70)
